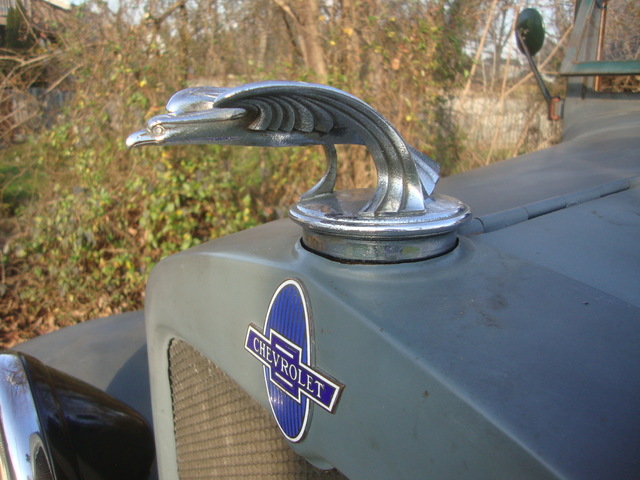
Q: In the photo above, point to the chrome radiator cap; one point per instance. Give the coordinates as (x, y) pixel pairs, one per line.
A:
(333, 227)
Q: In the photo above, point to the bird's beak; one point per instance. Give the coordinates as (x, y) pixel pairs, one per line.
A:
(139, 138)
(181, 121)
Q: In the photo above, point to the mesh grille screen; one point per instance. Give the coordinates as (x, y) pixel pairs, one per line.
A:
(43, 472)
(220, 431)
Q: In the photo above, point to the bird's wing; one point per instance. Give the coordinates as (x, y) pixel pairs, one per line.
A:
(328, 116)
(297, 106)
(282, 106)
(428, 169)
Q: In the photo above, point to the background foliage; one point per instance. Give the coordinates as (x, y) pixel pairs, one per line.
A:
(84, 220)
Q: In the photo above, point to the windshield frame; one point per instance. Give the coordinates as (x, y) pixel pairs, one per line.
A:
(584, 44)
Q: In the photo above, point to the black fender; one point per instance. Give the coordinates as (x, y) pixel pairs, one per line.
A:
(109, 353)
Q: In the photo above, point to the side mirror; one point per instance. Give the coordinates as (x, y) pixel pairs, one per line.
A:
(530, 38)
(530, 31)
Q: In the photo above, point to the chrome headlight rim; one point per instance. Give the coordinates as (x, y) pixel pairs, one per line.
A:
(23, 448)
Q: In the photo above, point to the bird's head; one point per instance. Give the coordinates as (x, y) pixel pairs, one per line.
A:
(216, 125)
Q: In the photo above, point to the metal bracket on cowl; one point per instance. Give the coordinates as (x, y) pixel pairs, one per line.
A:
(399, 220)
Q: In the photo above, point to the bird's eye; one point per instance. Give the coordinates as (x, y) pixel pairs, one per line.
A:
(157, 130)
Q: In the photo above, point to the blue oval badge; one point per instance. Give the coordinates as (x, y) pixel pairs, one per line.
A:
(285, 350)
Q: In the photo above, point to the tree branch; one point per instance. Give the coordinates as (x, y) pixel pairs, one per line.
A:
(177, 5)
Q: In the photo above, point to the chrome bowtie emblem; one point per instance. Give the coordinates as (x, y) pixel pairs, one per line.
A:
(285, 350)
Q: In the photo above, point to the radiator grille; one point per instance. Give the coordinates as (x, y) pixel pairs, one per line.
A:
(220, 431)
(42, 469)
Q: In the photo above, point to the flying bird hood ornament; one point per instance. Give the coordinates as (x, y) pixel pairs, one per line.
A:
(400, 220)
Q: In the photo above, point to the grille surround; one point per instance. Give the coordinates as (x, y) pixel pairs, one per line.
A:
(220, 431)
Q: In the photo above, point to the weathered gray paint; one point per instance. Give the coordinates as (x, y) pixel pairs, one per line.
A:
(475, 364)
(601, 150)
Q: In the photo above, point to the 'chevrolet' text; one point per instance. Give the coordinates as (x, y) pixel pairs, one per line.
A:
(288, 371)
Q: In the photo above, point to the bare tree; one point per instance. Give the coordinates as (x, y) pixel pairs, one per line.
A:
(303, 16)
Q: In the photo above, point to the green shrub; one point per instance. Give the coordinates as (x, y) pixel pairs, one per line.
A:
(92, 245)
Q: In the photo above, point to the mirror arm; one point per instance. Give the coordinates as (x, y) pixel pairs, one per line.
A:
(554, 104)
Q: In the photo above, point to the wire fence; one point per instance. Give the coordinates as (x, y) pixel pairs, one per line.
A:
(513, 125)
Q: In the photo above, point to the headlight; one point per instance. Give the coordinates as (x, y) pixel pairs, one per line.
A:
(54, 426)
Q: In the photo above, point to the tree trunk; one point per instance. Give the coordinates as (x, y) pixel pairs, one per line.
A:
(305, 18)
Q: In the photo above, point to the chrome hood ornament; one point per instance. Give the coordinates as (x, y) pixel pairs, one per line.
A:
(400, 220)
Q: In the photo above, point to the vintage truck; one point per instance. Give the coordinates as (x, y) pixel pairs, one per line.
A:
(488, 330)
